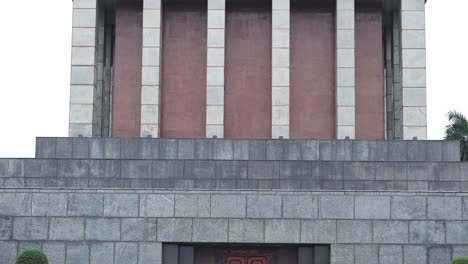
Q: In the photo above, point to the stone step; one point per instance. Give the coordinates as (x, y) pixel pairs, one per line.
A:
(234, 149)
(223, 174)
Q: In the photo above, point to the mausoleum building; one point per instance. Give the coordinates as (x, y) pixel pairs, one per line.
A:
(242, 132)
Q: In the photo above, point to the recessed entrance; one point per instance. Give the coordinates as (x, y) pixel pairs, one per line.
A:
(245, 254)
(246, 259)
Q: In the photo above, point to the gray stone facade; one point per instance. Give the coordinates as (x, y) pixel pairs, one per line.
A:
(115, 200)
(90, 226)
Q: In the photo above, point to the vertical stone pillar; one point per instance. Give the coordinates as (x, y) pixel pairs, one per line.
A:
(280, 68)
(150, 81)
(397, 90)
(345, 70)
(83, 68)
(389, 118)
(215, 68)
(413, 63)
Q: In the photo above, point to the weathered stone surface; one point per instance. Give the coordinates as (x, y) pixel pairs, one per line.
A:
(168, 149)
(396, 150)
(257, 150)
(310, 150)
(372, 207)
(360, 150)
(422, 171)
(337, 207)
(30, 228)
(223, 149)
(66, 229)
(175, 230)
(102, 253)
(274, 149)
(138, 229)
(354, 231)
(231, 170)
(104, 169)
(415, 254)
(300, 206)
(82, 204)
(45, 168)
(6, 227)
(246, 230)
(130, 148)
(295, 170)
(417, 150)
(11, 168)
(157, 205)
(427, 232)
(200, 169)
(408, 207)
(228, 206)
(318, 231)
(457, 232)
(121, 205)
(241, 149)
(203, 149)
(112, 148)
(263, 170)
(438, 255)
(282, 231)
(49, 204)
(136, 169)
(341, 254)
(331, 171)
(102, 229)
(292, 150)
(192, 205)
(391, 255)
(55, 251)
(366, 254)
(390, 232)
(210, 230)
(186, 149)
(264, 206)
(327, 150)
(77, 253)
(46, 148)
(126, 253)
(149, 253)
(8, 251)
(459, 251)
(149, 148)
(444, 208)
(15, 204)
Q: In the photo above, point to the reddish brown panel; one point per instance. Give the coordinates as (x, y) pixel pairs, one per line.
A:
(248, 70)
(369, 73)
(257, 260)
(245, 254)
(183, 72)
(312, 94)
(127, 69)
(235, 260)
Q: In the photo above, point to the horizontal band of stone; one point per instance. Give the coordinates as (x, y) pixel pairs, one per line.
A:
(231, 149)
(234, 170)
(271, 217)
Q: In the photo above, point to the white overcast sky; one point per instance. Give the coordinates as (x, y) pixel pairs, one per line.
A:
(35, 69)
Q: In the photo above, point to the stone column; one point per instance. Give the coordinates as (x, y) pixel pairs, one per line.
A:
(397, 91)
(345, 70)
(413, 62)
(280, 68)
(150, 90)
(215, 69)
(83, 68)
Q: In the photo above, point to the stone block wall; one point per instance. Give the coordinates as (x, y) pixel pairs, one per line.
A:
(88, 226)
